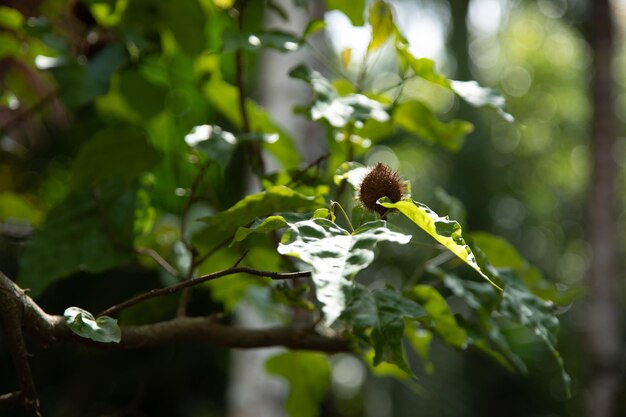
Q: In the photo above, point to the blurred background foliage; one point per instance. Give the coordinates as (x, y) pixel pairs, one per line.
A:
(150, 69)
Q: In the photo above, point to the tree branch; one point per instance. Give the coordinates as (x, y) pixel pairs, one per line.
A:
(11, 316)
(157, 292)
(50, 329)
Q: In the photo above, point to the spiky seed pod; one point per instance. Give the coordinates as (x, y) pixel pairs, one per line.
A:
(381, 181)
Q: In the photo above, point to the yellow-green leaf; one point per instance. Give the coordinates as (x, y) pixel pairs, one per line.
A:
(445, 231)
(381, 20)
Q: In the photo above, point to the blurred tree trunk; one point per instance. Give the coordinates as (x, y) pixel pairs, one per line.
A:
(603, 323)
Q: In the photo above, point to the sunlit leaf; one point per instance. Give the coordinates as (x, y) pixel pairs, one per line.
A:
(338, 110)
(417, 118)
(445, 231)
(104, 329)
(14, 207)
(443, 322)
(308, 375)
(10, 18)
(335, 255)
(420, 340)
(478, 96)
(381, 20)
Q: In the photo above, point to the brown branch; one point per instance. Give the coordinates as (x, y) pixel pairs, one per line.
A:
(11, 316)
(11, 401)
(157, 292)
(49, 329)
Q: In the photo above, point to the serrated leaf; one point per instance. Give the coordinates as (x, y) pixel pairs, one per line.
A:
(308, 375)
(338, 110)
(443, 321)
(113, 154)
(74, 237)
(280, 41)
(381, 20)
(353, 9)
(382, 311)
(417, 118)
(445, 231)
(525, 308)
(335, 255)
(104, 329)
(486, 334)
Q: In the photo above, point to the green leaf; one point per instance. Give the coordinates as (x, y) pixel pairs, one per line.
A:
(308, 375)
(104, 329)
(469, 91)
(10, 18)
(538, 315)
(270, 224)
(313, 27)
(113, 154)
(485, 334)
(335, 255)
(225, 98)
(478, 96)
(381, 20)
(501, 254)
(338, 110)
(15, 207)
(443, 322)
(351, 8)
(83, 83)
(219, 145)
(382, 311)
(417, 118)
(273, 200)
(78, 235)
(420, 340)
(281, 41)
(186, 20)
(445, 231)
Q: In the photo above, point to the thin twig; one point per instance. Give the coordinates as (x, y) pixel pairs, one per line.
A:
(158, 259)
(183, 302)
(243, 255)
(29, 113)
(240, 75)
(108, 231)
(316, 163)
(157, 292)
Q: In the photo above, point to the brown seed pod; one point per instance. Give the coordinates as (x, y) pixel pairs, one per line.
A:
(381, 181)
